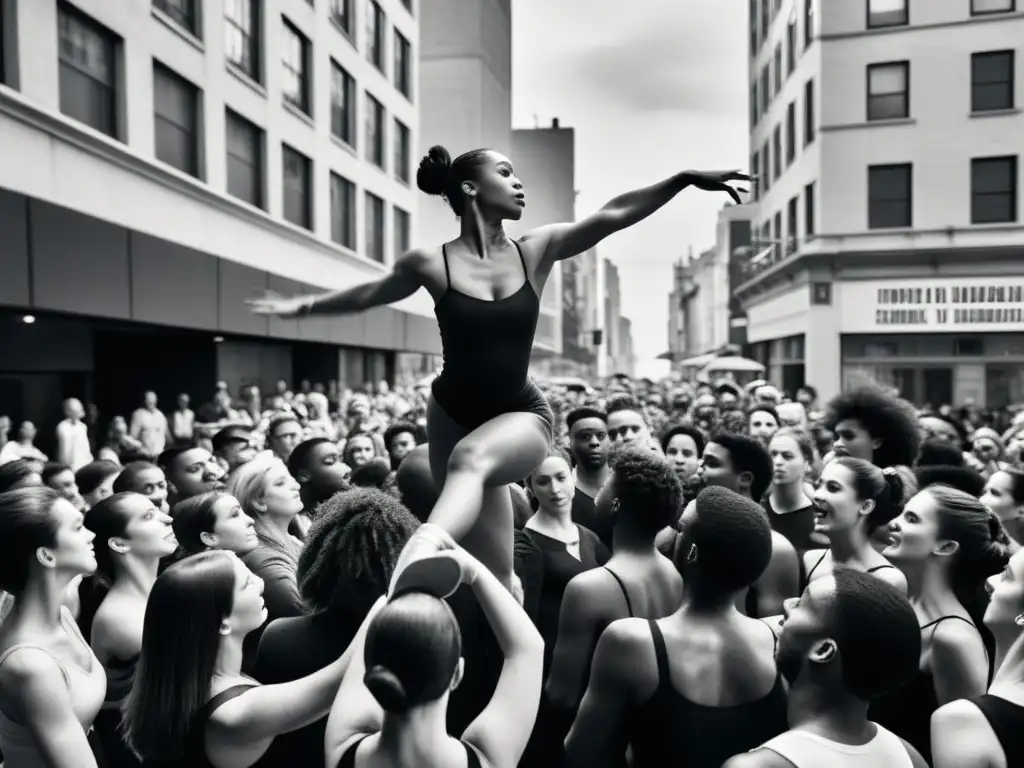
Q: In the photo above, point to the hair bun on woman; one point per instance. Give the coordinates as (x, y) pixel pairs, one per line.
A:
(435, 167)
(895, 482)
(387, 689)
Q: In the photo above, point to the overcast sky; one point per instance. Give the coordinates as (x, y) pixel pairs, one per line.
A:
(652, 87)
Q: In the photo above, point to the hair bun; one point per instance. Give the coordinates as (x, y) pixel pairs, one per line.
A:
(434, 170)
(387, 689)
(895, 482)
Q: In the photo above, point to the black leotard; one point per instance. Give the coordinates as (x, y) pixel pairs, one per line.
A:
(348, 760)
(1007, 722)
(486, 347)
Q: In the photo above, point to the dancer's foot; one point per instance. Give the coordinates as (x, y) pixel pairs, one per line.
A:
(429, 540)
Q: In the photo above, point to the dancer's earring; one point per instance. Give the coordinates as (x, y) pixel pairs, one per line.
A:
(1019, 621)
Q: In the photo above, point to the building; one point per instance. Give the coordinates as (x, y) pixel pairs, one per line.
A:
(625, 360)
(162, 162)
(704, 315)
(591, 279)
(889, 143)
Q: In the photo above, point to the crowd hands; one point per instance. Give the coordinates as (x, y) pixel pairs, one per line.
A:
(706, 574)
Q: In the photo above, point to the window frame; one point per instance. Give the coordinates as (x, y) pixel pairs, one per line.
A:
(400, 246)
(1013, 162)
(402, 159)
(873, 98)
(194, 131)
(376, 54)
(1010, 84)
(903, 22)
(377, 139)
(259, 167)
(305, 102)
(874, 225)
(252, 40)
(112, 43)
(976, 12)
(350, 94)
(307, 164)
(342, 15)
(338, 182)
(189, 20)
(403, 65)
(372, 202)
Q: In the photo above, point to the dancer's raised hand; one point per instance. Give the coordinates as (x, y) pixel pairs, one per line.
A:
(281, 306)
(718, 181)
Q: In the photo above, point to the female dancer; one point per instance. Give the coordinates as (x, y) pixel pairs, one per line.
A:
(488, 425)
(552, 549)
(390, 708)
(213, 520)
(51, 684)
(131, 538)
(944, 543)
(1004, 496)
(191, 706)
(988, 730)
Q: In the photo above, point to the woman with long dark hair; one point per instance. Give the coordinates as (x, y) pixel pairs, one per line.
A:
(213, 520)
(51, 683)
(132, 536)
(488, 424)
(191, 706)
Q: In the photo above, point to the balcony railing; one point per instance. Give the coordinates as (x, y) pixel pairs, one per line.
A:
(765, 254)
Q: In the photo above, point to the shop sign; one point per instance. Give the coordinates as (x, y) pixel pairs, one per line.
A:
(933, 306)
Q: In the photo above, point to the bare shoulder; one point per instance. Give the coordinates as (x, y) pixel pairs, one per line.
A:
(418, 260)
(759, 758)
(783, 547)
(961, 716)
(894, 577)
(952, 637)
(583, 594)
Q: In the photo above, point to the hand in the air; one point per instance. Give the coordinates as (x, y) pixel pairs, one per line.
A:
(281, 306)
(718, 181)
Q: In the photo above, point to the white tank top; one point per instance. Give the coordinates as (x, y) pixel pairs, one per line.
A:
(808, 750)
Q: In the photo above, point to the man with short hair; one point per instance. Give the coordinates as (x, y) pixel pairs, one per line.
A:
(233, 447)
(283, 434)
(589, 446)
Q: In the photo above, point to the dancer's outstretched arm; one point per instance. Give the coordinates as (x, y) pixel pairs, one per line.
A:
(402, 282)
(563, 241)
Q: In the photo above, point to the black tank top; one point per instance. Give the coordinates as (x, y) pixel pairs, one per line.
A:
(797, 526)
(486, 345)
(822, 559)
(1007, 722)
(669, 729)
(348, 760)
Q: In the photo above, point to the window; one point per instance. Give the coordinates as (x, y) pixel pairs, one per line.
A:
(809, 113)
(992, 81)
(754, 115)
(790, 133)
(777, 69)
(792, 230)
(375, 23)
(765, 19)
(184, 13)
(755, 171)
(889, 91)
(809, 210)
(298, 187)
(374, 131)
(889, 196)
(402, 152)
(753, 27)
(245, 159)
(243, 36)
(808, 22)
(374, 228)
(402, 228)
(766, 89)
(777, 234)
(176, 120)
(295, 66)
(791, 46)
(408, 5)
(887, 13)
(343, 211)
(993, 190)
(981, 7)
(87, 71)
(342, 14)
(3, 48)
(777, 149)
(343, 104)
(403, 65)
(766, 164)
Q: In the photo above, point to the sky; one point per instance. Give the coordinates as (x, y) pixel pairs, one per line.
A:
(652, 87)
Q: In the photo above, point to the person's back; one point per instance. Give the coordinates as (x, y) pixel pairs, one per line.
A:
(804, 749)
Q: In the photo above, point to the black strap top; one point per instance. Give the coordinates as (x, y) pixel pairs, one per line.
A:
(825, 554)
(625, 594)
(348, 760)
(669, 729)
(1007, 722)
(486, 345)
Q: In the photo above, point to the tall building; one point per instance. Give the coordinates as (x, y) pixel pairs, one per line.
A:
(887, 134)
(591, 293)
(625, 360)
(612, 313)
(162, 162)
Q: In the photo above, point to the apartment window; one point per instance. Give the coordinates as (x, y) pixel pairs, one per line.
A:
(403, 65)
(809, 210)
(791, 46)
(374, 131)
(766, 164)
(777, 69)
(808, 22)
(342, 14)
(792, 230)
(992, 81)
(887, 13)
(375, 23)
(755, 171)
(889, 90)
(890, 196)
(809, 112)
(343, 211)
(88, 90)
(753, 105)
(295, 66)
(766, 89)
(402, 152)
(982, 7)
(777, 234)
(3, 50)
(184, 13)
(408, 5)
(993, 190)
(765, 19)
(245, 159)
(790, 133)
(374, 228)
(242, 27)
(298, 187)
(343, 104)
(176, 120)
(777, 149)
(402, 234)
(753, 27)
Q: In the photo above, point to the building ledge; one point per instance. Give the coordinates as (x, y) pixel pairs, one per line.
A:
(994, 113)
(896, 122)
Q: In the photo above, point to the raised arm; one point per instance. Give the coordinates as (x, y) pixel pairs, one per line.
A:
(563, 241)
(401, 283)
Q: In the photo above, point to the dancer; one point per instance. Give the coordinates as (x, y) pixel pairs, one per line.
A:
(488, 424)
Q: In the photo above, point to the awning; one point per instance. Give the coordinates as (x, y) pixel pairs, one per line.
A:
(700, 360)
